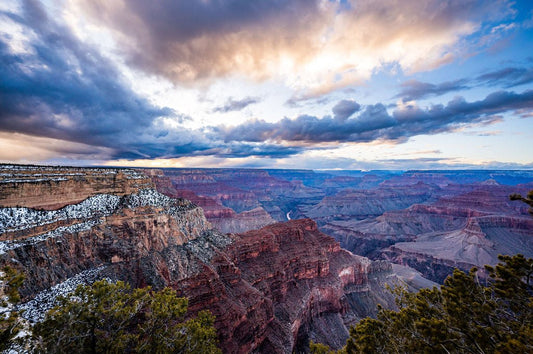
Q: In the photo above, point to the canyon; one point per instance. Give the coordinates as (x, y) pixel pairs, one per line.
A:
(432, 221)
(280, 257)
(271, 289)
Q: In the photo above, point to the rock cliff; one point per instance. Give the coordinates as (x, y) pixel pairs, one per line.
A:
(48, 187)
(270, 289)
(221, 217)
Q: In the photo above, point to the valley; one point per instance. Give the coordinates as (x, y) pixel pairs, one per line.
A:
(432, 221)
(280, 257)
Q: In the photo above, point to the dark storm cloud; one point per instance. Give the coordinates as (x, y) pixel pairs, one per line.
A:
(345, 108)
(507, 77)
(414, 90)
(235, 149)
(236, 105)
(191, 40)
(375, 123)
(60, 88)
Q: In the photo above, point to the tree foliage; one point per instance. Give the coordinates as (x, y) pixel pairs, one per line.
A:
(10, 323)
(462, 316)
(319, 348)
(113, 318)
(528, 199)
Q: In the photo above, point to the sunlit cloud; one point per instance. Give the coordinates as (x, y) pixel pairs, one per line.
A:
(314, 46)
(261, 83)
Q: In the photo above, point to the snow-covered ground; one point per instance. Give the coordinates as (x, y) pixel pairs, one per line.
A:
(83, 226)
(19, 218)
(29, 174)
(35, 310)
(14, 219)
(90, 212)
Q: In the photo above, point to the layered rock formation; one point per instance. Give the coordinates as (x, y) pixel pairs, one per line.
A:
(223, 218)
(243, 189)
(479, 242)
(361, 204)
(270, 289)
(316, 289)
(463, 230)
(369, 213)
(49, 187)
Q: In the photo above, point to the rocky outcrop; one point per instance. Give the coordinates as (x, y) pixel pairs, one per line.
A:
(223, 218)
(270, 289)
(247, 220)
(48, 187)
(479, 242)
(104, 229)
(363, 204)
(311, 281)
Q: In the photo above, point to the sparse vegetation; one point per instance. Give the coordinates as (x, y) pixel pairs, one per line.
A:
(10, 322)
(465, 315)
(113, 318)
(528, 199)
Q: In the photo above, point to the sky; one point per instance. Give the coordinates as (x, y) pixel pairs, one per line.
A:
(318, 84)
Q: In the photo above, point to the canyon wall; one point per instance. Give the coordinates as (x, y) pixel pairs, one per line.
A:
(221, 217)
(50, 187)
(271, 290)
(417, 218)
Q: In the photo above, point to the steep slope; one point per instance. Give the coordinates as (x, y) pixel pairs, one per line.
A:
(270, 289)
(478, 243)
(316, 288)
(49, 187)
(222, 218)
(464, 230)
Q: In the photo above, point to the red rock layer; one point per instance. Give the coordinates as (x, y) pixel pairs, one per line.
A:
(223, 218)
(50, 188)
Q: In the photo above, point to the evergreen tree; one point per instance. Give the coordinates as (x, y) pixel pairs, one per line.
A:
(463, 316)
(113, 318)
(10, 322)
(528, 199)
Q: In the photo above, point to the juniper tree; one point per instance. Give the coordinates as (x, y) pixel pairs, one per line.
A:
(465, 315)
(113, 318)
(528, 199)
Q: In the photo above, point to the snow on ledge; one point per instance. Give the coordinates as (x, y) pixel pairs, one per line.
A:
(9, 245)
(20, 218)
(91, 210)
(35, 309)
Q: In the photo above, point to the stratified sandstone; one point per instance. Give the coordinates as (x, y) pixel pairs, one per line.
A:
(222, 217)
(271, 289)
(468, 226)
(49, 187)
(317, 289)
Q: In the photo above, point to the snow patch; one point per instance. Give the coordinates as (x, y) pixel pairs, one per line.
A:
(33, 180)
(9, 245)
(35, 310)
(91, 209)
(346, 272)
(14, 219)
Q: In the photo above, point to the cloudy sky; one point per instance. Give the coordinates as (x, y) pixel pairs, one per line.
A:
(322, 84)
